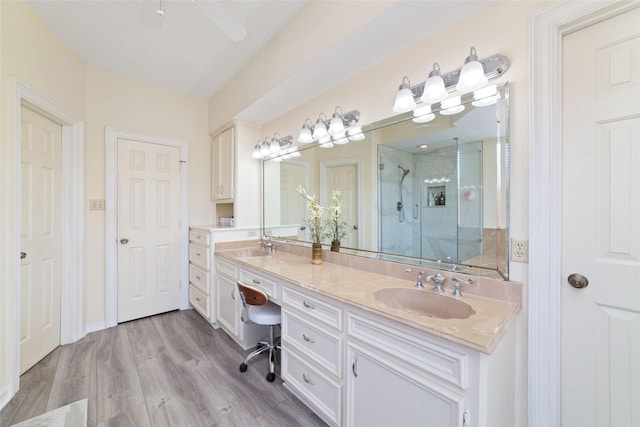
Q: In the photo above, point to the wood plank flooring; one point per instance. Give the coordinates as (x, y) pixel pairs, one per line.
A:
(172, 369)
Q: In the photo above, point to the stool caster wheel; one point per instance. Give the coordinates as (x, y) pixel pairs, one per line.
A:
(243, 367)
(271, 377)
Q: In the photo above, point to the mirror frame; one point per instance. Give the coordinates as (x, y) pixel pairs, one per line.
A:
(477, 270)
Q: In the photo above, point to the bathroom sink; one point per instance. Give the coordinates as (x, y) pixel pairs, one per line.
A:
(240, 253)
(423, 302)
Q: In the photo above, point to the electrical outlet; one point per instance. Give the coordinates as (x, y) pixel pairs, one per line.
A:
(96, 205)
(520, 250)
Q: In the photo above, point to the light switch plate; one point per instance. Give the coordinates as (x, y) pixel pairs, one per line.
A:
(96, 205)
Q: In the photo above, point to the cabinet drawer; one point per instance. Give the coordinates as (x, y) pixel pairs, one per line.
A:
(199, 278)
(313, 307)
(268, 286)
(418, 350)
(226, 268)
(199, 255)
(318, 389)
(321, 347)
(200, 237)
(199, 301)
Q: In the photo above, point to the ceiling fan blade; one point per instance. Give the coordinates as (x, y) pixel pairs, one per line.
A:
(222, 19)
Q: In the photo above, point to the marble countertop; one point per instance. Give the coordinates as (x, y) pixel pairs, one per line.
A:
(356, 287)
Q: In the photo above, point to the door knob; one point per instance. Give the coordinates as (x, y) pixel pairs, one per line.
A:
(23, 255)
(124, 240)
(578, 281)
(355, 226)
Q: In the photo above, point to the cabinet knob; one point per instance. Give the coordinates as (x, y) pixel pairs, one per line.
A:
(23, 255)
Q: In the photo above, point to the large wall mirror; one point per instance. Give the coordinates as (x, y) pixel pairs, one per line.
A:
(429, 193)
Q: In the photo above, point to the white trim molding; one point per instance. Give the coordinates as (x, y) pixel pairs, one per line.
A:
(547, 28)
(72, 179)
(111, 246)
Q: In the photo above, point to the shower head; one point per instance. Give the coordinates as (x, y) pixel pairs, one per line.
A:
(405, 172)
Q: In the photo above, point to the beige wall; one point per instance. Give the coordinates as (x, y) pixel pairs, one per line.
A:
(35, 56)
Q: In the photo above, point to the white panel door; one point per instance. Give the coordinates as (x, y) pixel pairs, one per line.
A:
(40, 149)
(600, 381)
(345, 179)
(148, 229)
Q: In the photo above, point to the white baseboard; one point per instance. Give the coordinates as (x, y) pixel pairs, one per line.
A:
(97, 326)
(5, 396)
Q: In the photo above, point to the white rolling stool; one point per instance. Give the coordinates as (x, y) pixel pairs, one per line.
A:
(259, 310)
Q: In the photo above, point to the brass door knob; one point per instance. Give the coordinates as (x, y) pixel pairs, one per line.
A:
(578, 281)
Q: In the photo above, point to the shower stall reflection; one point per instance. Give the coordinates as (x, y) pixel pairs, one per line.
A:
(436, 213)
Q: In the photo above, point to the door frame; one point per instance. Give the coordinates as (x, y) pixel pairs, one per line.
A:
(72, 326)
(111, 236)
(357, 162)
(547, 28)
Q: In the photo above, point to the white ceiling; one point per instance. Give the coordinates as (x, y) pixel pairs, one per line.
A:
(186, 51)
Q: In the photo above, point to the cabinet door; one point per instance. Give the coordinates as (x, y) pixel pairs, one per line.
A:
(222, 166)
(384, 392)
(227, 303)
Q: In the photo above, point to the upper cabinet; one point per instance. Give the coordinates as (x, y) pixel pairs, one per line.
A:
(235, 176)
(223, 152)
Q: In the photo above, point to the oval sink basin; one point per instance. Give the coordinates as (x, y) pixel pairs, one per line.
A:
(419, 301)
(239, 253)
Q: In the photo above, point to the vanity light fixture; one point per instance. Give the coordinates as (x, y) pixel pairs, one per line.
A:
(257, 154)
(473, 76)
(305, 137)
(273, 146)
(339, 130)
(320, 128)
(434, 89)
(404, 98)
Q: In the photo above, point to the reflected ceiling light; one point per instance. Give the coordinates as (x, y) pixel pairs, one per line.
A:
(451, 106)
(485, 96)
(340, 139)
(423, 114)
(472, 74)
(305, 137)
(404, 97)
(434, 89)
(320, 128)
(355, 134)
(325, 142)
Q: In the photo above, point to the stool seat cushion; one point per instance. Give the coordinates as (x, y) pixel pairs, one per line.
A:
(266, 314)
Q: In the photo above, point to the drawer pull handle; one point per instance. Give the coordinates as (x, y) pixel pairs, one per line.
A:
(307, 339)
(256, 281)
(307, 379)
(198, 237)
(197, 299)
(197, 253)
(233, 294)
(198, 277)
(307, 305)
(354, 366)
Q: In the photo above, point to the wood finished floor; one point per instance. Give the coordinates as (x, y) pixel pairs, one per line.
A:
(172, 369)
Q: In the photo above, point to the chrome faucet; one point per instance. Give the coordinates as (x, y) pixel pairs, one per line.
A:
(267, 245)
(419, 281)
(456, 283)
(438, 279)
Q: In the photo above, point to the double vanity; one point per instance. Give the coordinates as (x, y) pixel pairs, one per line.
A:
(361, 344)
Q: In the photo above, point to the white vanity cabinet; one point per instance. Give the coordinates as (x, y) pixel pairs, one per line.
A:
(312, 351)
(200, 252)
(229, 303)
(401, 376)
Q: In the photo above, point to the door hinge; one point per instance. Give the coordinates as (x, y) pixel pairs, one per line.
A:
(466, 419)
